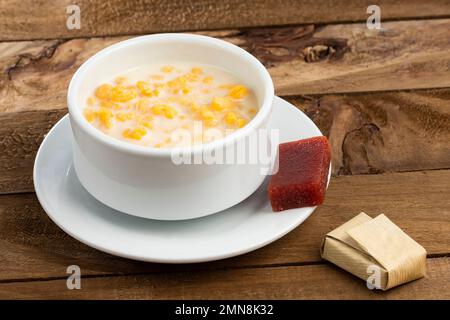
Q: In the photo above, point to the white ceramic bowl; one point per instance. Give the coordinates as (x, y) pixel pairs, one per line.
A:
(144, 181)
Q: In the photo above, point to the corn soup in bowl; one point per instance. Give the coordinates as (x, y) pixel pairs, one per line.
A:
(132, 104)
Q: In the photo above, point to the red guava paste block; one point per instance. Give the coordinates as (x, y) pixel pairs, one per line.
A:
(302, 175)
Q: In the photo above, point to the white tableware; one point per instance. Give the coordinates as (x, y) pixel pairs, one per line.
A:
(246, 226)
(145, 181)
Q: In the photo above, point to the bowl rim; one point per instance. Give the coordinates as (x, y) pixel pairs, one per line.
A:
(75, 112)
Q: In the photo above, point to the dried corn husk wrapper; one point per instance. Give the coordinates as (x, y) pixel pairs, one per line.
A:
(366, 247)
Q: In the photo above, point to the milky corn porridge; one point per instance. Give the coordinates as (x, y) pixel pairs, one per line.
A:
(168, 106)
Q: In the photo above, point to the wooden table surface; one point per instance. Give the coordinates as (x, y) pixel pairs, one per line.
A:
(381, 96)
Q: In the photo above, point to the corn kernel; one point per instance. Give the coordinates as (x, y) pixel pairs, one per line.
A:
(123, 94)
(238, 92)
(206, 114)
(172, 83)
(170, 112)
(191, 77)
(211, 122)
(196, 70)
(241, 122)
(186, 90)
(136, 133)
(124, 116)
(145, 88)
(221, 103)
(89, 115)
(195, 107)
(177, 82)
(105, 116)
(208, 80)
(157, 110)
(106, 103)
(167, 69)
(126, 133)
(147, 124)
(230, 118)
(104, 91)
(141, 131)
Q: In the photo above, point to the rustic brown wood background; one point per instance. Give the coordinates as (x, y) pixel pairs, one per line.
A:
(381, 96)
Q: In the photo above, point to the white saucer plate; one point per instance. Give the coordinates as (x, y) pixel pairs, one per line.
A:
(243, 228)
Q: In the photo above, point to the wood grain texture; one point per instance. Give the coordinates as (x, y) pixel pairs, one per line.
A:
(301, 60)
(20, 137)
(383, 132)
(292, 282)
(33, 247)
(28, 19)
(351, 58)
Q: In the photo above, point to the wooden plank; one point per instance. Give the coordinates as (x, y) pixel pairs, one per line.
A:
(27, 19)
(33, 247)
(383, 132)
(350, 58)
(293, 282)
